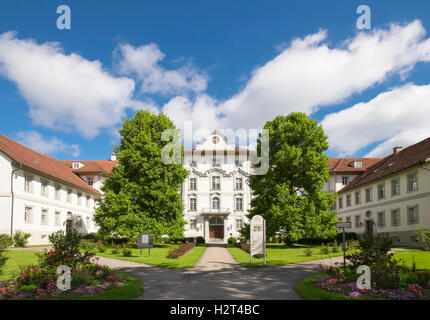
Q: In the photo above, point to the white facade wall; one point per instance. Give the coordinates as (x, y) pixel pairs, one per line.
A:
(402, 234)
(81, 212)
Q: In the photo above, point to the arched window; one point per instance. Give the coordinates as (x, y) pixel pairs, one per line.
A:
(215, 203)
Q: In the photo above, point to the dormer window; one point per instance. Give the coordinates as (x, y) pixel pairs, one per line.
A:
(77, 165)
(357, 164)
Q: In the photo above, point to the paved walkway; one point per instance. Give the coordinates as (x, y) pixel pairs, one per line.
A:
(218, 276)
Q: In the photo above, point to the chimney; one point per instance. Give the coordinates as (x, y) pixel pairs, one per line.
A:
(396, 150)
(113, 156)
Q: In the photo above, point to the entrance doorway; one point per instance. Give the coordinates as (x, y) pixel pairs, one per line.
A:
(216, 228)
(369, 226)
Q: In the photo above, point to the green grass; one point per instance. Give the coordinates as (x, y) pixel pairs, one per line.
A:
(158, 256)
(16, 259)
(421, 258)
(307, 291)
(278, 255)
(133, 288)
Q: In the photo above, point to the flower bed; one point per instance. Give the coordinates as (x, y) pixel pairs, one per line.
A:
(39, 281)
(181, 250)
(36, 282)
(389, 278)
(349, 288)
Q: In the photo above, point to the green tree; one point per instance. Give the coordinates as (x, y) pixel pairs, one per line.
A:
(290, 195)
(143, 193)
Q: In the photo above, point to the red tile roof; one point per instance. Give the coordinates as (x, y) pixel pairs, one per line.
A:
(406, 158)
(345, 164)
(42, 163)
(92, 166)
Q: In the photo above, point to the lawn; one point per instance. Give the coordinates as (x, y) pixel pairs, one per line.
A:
(16, 259)
(421, 258)
(158, 256)
(278, 255)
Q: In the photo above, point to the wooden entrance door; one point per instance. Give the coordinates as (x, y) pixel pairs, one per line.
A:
(216, 232)
(369, 226)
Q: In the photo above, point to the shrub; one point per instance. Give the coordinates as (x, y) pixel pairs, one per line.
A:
(126, 252)
(200, 240)
(114, 251)
(190, 239)
(424, 236)
(324, 249)
(335, 247)
(65, 250)
(245, 231)
(6, 240)
(181, 250)
(2, 258)
(308, 252)
(232, 240)
(20, 238)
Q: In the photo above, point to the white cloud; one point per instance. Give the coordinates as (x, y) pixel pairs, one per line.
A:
(395, 118)
(309, 74)
(34, 140)
(143, 62)
(64, 92)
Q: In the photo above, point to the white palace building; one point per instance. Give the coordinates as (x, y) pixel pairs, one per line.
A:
(216, 193)
(38, 193)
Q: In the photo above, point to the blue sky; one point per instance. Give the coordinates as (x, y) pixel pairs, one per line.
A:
(210, 61)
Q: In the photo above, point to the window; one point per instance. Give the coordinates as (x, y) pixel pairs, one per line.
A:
(88, 223)
(413, 215)
(215, 203)
(79, 222)
(216, 185)
(69, 195)
(44, 189)
(395, 217)
(395, 187)
(215, 163)
(239, 224)
(345, 181)
(193, 164)
(28, 215)
(44, 217)
(369, 195)
(88, 201)
(192, 224)
(238, 183)
(348, 200)
(57, 218)
(238, 163)
(193, 184)
(357, 221)
(357, 197)
(57, 191)
(76, 165)
(348, 219)
(357, 164)
(381, 219)
(79, 199)
(381, 191)
(239, 204)
(193, 204)
(28, 185)
(412, 182)
(90, 181)
(340, 203)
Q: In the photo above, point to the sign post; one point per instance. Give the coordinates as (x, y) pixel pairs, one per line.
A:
(144, 240)
(257, 237)
(343, 225)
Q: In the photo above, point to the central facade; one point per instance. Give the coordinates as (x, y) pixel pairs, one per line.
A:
(216, 193)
